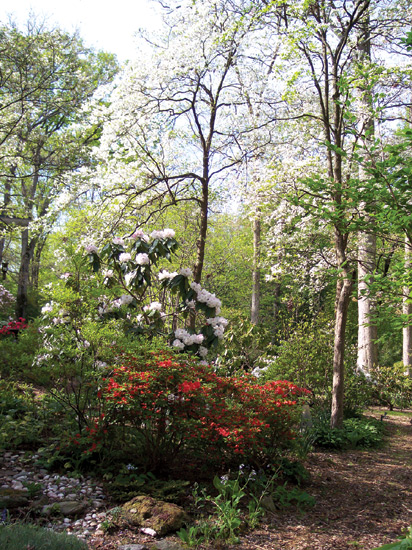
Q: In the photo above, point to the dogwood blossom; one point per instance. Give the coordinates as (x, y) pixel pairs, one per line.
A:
(154, 306)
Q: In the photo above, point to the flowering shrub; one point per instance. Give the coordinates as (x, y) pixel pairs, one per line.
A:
(6, 298)
(127, 266)
(13, 327)
(181, 407)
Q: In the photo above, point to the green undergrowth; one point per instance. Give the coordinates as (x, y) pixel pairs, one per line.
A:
(25, 536)
(356, 433)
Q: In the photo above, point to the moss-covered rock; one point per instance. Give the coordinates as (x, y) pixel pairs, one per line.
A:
(146, 512)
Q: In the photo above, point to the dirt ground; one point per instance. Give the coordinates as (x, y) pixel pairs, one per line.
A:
(363, 500)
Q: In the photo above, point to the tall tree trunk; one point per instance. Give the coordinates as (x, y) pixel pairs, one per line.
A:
(255, 309)
(367, 330)
(35, 264)
(344, 289)
(6, 202)
(407, 311)
(27, 251)
(344, 285)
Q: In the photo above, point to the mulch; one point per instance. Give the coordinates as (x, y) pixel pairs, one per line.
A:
(363, 500)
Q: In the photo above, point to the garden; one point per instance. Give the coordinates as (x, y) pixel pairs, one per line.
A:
(117, 429)
(206, 291)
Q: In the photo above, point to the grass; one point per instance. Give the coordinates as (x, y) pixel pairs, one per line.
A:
(17, 536)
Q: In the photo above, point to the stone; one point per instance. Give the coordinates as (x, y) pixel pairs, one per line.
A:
(149, 513)
(133, 547)
(66, 508)
(13, 498)
(167, 545)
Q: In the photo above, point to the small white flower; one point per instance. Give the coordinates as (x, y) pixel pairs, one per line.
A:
(47, 308)
(118, 240)
(91, 248)
(124, 257)
(108, 273)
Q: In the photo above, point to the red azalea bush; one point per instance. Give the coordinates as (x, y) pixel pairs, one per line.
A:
(13, 327)
(179, 407)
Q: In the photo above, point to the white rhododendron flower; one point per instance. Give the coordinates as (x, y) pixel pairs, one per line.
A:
(108, 273)
(118, 240)
(139, 234)
(125, 257)
(178, 344)
(91, 248)
(168, 233)
(203, 351)
(47, 308)
(186, 272)
(142, 259)
(166, 275)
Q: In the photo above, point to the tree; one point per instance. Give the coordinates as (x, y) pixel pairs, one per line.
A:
(179, 118)
(46, 132)
(321, 41)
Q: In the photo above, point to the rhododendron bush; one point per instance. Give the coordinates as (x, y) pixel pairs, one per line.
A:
(177, 407)
(127, 267)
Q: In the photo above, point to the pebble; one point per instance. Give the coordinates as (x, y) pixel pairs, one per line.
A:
(56, 488)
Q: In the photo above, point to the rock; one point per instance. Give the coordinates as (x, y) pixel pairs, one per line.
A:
(66, 508)
(146, 512)
(167, 545)
(13, 498)
(133, 547)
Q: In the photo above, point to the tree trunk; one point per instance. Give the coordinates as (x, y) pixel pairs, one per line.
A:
(255, 309)
(407, 311)
(35, 264)
(367, 330)
(343, 293)
(27, 251)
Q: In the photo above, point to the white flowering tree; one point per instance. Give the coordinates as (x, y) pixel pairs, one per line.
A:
(180, 125)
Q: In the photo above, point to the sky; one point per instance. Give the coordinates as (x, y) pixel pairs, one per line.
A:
(104, 24)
